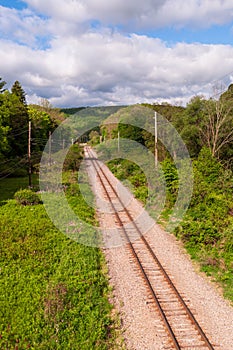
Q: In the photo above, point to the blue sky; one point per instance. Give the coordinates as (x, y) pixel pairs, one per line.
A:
(17, 4)
(102, 52)
(214, 35)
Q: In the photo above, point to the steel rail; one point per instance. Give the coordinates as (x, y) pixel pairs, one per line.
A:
(160, 309)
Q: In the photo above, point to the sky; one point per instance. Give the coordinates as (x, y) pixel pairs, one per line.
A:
(116, 52)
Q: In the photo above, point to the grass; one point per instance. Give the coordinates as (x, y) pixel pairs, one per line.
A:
(132, 176)
(9, 186)
(54, 291)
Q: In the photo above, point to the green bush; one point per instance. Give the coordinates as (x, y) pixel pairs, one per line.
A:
(73, 158)
(27, 197)
(172, 181)
(124, 170)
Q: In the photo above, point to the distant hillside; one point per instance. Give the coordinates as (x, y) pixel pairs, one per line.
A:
(72, 110)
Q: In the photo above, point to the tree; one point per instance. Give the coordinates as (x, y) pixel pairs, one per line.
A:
(217, 132)
(94, 137)
(55, 113)
(209, 123)
(190, 122)
(41, 125)
(18, 91)
(4, 125)
(73, 158)
(18, 121)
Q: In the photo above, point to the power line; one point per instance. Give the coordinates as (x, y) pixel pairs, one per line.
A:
(11, 170)
(25, 128)
(19, 165)
(22, 132)
(221, 78)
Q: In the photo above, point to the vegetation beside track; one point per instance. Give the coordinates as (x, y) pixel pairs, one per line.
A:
(54, 291)
(206, 229)
(206, 130)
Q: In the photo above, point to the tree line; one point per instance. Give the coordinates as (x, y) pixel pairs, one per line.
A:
(15, 115)
(204, 123)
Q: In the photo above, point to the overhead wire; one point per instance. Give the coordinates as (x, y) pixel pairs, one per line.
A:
(19, 165)
(41, 141)
(20, 133)
(11, 170)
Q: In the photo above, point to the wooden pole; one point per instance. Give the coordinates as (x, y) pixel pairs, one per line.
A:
(29, 156)
(156, 141)
(50, 146)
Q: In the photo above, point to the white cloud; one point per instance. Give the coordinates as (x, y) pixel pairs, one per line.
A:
(139, 14)
(194, 13)
(71, 10)
(107, 68)
(87, 66)
(23, 26)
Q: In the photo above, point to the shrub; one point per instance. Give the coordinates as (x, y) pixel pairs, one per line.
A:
(73, 158)
(27, 197)
(172, 181)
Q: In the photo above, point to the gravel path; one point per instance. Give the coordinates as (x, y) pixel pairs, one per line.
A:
(142, 329)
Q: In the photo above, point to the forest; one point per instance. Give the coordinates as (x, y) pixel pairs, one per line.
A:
(15, 115)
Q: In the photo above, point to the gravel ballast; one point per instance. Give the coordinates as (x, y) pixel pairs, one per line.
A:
(142, 328)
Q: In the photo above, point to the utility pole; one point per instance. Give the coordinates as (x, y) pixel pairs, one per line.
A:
(118, 141)
(50, 147)
(156, 142)
(29, 156)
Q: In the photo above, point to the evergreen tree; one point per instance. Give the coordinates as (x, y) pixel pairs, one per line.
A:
(4, 125)
(18, 121)
(18, 91)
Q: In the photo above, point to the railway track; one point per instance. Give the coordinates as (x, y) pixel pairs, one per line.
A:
(181, 325)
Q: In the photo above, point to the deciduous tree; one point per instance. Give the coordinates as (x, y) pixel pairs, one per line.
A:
(217, 131)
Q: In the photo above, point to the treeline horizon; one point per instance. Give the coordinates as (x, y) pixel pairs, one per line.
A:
(202, 123)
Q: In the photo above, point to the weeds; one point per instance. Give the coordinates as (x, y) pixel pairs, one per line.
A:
(54, 294)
